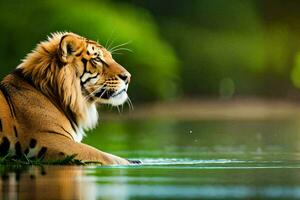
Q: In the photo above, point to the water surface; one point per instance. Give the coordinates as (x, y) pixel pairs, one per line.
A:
(221, 159)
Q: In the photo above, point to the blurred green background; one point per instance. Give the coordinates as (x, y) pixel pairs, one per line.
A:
(214, 83)
(180, 49)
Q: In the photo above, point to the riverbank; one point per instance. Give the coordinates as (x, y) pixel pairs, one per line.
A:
(207, 109)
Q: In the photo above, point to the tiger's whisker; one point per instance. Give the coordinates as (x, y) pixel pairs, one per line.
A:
(130, 103)
(112, 43)
(108, 40)
(120, 45)
(117, 53)
(90, 95)
(123, 44)
(119, 49)
(118, 109)
(129, 106)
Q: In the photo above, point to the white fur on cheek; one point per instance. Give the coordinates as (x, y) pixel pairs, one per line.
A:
(87, 75)
(94, 80)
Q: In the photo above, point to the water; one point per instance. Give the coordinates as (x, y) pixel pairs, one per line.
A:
(182, 160)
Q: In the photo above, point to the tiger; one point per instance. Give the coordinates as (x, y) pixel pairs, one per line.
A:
(50, 100)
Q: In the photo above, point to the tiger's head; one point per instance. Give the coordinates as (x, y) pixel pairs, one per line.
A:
(102, 79)
(77, 73)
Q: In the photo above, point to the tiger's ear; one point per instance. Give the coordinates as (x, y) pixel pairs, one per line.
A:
(69, 47)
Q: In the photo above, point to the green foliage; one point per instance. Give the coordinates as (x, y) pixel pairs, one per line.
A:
(253, 43)
(152, 62)
(222, 40)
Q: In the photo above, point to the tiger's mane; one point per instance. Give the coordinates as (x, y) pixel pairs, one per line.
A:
(59, 82)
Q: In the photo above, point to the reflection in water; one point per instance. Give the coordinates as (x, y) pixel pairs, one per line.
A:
(208, 179)
(56, 182)
(217, 160)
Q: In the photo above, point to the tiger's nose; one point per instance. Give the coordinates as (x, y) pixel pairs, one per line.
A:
(125, 77)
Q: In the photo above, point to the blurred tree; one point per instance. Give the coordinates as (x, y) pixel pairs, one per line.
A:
(152, 61)
(253, 43)
(225, 47)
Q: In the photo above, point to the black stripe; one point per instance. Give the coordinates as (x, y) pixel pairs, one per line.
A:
(1, 127)
(42, 152)
(18, 149)
(59, 134)
(4, 146)
(61, 39)
(94, 64)
(15, 131)
(32, 143)
(72, 118)
(84, 61)
(135, 161)
(98, 59)
(67, 132)
(78, 54)
(99, 93)
(94, 43)
(104, 63)
(19, 73)
(104, 94)
(88, 79)
(8, 99)
(45, 49)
